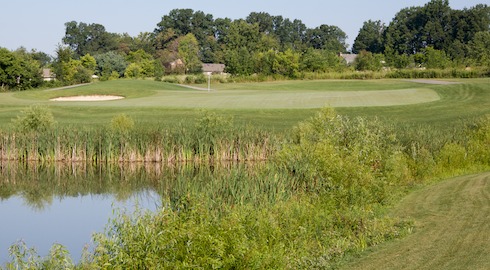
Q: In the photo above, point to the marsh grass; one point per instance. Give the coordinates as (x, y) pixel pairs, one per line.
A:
(336, 178)
(321, 198)
(210, 139)
(322, 195)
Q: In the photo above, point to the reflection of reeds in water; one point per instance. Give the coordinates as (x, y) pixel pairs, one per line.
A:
(220, 183)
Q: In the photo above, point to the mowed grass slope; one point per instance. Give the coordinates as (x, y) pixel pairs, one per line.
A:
(272, 105)
(284, 95)
(468, 100)
(452, 229)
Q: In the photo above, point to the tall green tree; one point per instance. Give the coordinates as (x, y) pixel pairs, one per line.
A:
(189, 53)
(242, 35)
(89, 62)
(141, 61)
(291, 34)
(435, 25)
(110, 63)
(403, 33)
(467, 22)
(263, 19)
(187, 21)
(370, 37)
(436, 31)
(85, 38)
(239, 61)
(326, 37)
(18, 70)
(480, 48)
(63, 55)
(222, 29)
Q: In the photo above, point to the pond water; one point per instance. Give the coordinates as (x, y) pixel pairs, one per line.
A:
(69, 221)
(66, 203)
(43, 205)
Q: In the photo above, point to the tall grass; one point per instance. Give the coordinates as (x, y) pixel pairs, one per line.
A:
(321, 196)
(212, 138)
(340, 174)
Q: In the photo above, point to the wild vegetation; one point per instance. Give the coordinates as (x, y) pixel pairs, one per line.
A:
(210, 139)
(321, 196)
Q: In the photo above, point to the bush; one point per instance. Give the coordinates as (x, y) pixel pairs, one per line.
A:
(122, 124)
(351, 159)
(36, 119)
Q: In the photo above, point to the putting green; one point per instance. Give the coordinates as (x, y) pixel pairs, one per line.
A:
(241, 99)
(275, 99)
(308, 95)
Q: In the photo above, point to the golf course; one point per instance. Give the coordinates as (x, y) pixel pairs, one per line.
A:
(285, 102)
(351, 174)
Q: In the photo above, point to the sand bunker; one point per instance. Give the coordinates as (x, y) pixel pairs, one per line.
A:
(88, 98)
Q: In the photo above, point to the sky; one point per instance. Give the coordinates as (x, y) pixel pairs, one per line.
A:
(39, 25)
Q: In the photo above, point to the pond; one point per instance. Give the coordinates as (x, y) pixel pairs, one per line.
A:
(43, 205)
(65, 203)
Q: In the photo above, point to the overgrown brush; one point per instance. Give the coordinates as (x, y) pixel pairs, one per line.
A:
(210, 138)
(347, 74)
(321, 197)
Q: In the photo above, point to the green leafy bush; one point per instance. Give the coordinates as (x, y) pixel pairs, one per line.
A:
(35, 118)
(355, 159)
(122, 123)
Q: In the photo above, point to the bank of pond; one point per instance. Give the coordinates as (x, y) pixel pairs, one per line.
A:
(302, 201)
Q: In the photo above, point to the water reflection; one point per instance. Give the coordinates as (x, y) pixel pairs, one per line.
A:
(67, 202)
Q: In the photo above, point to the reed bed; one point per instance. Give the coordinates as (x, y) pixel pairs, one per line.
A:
(141, 145)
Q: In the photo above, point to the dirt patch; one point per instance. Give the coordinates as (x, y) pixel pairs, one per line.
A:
(88, 98)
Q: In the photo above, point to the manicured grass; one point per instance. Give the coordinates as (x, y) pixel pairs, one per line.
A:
(321, 85)
(452, 220)
(272, 105)
(285, 95)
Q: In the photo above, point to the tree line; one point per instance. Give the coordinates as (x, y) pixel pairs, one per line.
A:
(453, 37)
(430, 36)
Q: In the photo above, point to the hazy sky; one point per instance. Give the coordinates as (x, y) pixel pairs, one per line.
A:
(39, 24)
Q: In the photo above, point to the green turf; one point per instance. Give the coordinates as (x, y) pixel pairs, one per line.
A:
(274, 105)
(285, 95)
(452, 231)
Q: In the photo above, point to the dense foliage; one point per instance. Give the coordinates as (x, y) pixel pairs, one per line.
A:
(320, 197)
(429, 36)
(19, 70)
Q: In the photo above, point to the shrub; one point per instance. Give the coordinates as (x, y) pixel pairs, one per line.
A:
(122, 123)
(354, 159)
(36, 119)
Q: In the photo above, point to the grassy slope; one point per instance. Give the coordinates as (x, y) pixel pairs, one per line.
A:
(452, 221)
(459, 101)
(470, 99)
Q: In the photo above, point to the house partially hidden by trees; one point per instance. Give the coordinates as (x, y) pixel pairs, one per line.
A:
(176, 66)
(349, 58)
(48, 75)
(209, 69)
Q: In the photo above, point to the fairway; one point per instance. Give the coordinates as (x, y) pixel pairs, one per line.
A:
(260, 99)
(452, 220)
(229, 96)
(275, 106)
